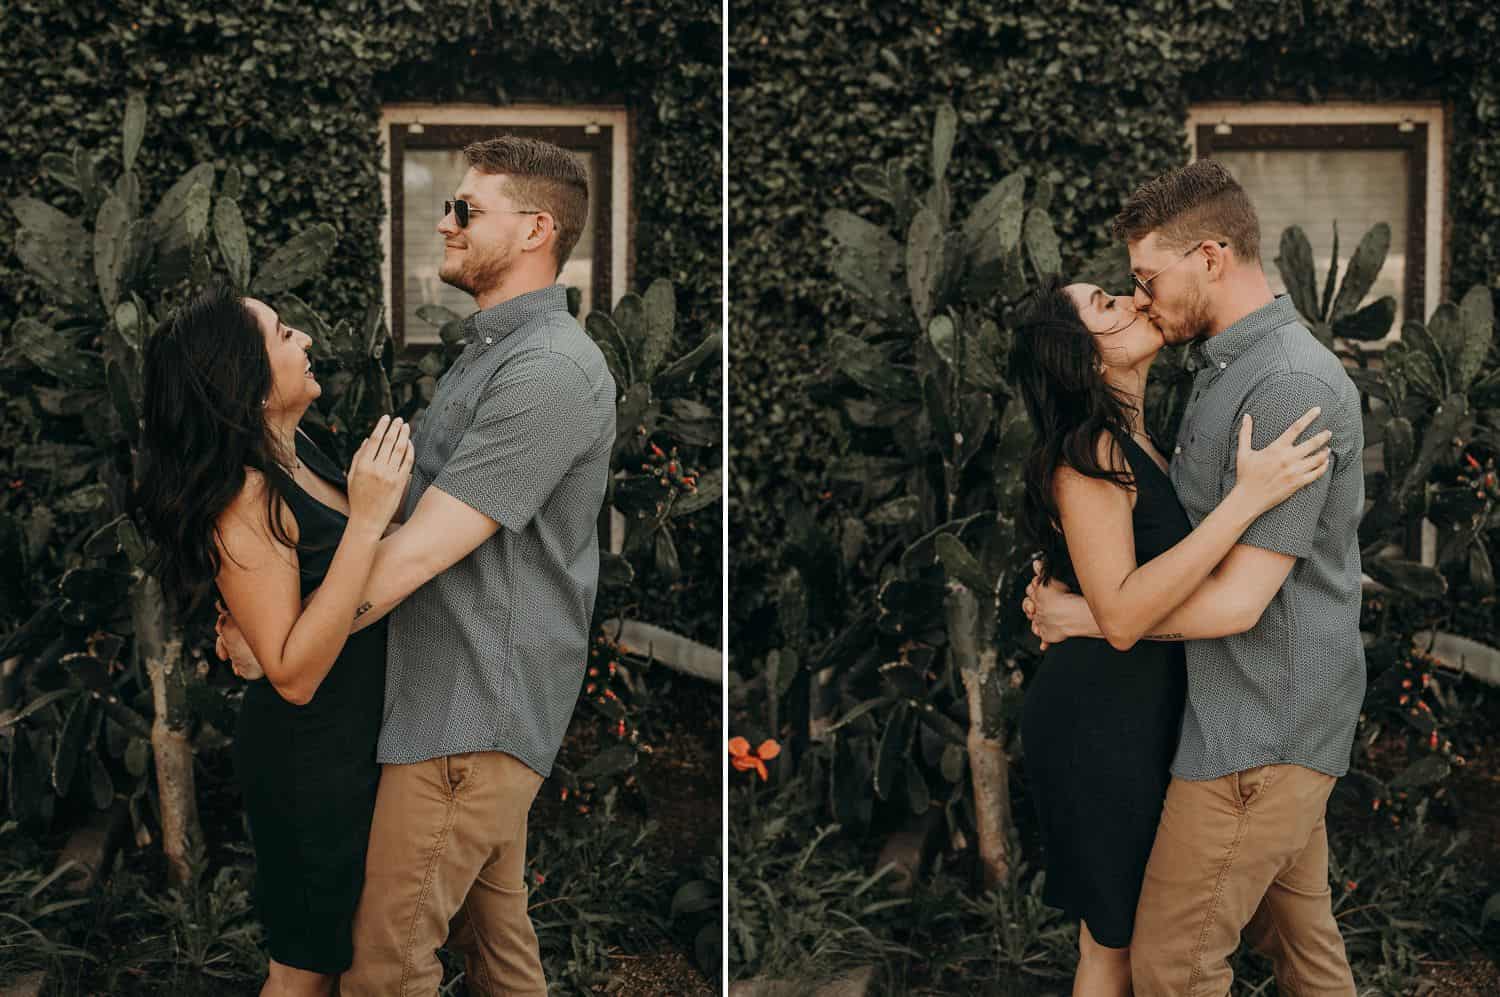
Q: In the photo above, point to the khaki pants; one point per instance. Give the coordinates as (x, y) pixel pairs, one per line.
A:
(447, 861)
(1247, 852)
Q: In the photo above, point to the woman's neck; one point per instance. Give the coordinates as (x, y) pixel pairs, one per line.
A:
(284, 433)
(1130, 385)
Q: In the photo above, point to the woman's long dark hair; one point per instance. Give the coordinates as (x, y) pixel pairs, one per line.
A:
(207, 374)
(1053, 360)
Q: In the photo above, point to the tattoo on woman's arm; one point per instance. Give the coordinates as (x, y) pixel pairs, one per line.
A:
(1164, 637)
(363, 609)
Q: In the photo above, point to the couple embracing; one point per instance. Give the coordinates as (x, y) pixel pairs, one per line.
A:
(416, 630)
(1198, 606)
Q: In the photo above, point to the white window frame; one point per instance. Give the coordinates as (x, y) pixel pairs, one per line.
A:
(1433, 115)
(519, 115)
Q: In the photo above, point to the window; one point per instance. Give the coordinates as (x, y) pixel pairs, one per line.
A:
(423, 146)
(1351, 164)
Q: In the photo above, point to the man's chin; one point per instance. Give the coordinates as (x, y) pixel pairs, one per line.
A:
(1176, 337)
(455, 278)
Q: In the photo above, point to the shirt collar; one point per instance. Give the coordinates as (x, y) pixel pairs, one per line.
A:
(1228, 346)
(484, 328)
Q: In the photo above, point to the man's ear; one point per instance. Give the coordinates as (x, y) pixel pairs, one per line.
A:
(1218, 259)
(543, 228)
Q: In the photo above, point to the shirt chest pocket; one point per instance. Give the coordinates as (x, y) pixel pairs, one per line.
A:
(1202, 468)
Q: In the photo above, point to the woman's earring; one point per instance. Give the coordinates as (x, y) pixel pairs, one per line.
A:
(266, 401)
(1099, 367)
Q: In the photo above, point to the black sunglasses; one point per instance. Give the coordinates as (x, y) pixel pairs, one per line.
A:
(461, 212)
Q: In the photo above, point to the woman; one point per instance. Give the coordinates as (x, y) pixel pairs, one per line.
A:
(1101, 717)
(238, 498)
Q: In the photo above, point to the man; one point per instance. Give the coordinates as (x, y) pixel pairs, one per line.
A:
(490, 584)
(1272, 706)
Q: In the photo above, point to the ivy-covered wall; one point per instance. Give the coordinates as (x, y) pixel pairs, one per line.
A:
(292, 94)
(1092, 95)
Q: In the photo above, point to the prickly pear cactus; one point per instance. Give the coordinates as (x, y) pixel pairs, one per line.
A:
(933, 442)
(1338, 316)
(1423, 417)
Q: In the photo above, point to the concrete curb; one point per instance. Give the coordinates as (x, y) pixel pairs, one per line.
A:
(907, 850)
(29, 985)
(93, 845)
(1463, 654)
(855, 984)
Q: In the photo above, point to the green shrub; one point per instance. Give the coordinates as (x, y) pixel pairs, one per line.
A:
(38, 916)
(799, 906)
(594, 893)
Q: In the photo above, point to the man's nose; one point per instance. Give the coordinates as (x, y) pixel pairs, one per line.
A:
(447, 225)
(1139, 299)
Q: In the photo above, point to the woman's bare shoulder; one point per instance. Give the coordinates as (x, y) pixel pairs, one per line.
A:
(248, 515)
(1108, 453)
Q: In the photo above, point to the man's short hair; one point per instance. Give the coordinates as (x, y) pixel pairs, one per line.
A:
(1188, 205)
(539, 175)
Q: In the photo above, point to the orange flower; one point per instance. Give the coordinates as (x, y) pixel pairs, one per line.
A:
(742, 758)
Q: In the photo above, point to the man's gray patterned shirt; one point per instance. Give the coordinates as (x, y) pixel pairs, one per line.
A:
(490, 654)
(1290, 688)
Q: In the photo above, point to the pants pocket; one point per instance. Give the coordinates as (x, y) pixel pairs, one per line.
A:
(457, 770)
(1252, 782)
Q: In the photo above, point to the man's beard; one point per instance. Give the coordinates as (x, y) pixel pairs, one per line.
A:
(1194, 324)
(474, 277)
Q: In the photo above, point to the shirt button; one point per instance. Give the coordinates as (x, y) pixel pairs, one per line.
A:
(488, 340)
(1177, 449)
(1222, 364)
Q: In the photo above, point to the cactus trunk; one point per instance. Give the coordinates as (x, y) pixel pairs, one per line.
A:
(159, 642)
(989, 767)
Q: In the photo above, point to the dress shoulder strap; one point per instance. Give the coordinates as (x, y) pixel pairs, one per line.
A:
(313, 455)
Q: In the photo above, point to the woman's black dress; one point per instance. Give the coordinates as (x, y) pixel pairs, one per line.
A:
(309, 774)
(1099, 729)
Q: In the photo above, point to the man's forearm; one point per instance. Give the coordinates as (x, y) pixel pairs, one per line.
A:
(1077, 619)
(442, 531)
(399, 570)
